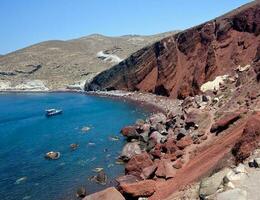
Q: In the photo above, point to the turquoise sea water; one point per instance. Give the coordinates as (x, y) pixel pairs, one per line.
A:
(26, 135)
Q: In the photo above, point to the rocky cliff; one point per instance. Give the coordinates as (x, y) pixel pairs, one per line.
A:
(178, 65)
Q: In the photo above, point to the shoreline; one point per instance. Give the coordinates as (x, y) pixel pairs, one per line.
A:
(153, 102)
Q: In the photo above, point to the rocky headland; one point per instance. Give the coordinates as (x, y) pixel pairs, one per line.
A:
(205, 143)
(67, 65)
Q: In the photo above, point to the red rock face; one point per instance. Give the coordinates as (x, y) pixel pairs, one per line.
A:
(178, 65)
(139, 189)
(137, 163)
(249, 140)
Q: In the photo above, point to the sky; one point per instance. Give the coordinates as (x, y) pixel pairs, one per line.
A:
(26, 22)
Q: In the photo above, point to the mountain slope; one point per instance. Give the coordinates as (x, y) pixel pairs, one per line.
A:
(179, 64)
(59, 63)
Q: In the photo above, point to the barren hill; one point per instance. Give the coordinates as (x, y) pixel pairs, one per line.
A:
(57, 64)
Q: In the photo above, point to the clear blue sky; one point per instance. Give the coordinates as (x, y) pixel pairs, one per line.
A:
(25, 22)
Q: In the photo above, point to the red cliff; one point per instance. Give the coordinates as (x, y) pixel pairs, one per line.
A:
(178, 65)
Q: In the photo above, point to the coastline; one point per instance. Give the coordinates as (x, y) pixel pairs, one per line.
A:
(153, 102)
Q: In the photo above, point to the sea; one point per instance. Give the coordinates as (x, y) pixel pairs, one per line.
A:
(26, 135)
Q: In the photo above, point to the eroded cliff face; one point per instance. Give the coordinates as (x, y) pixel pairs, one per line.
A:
(178, 65)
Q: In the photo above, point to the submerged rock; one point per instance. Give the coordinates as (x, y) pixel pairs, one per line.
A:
(74, 146)
(85, 129)
(81, 192)
(20, 180)
(52, 155)
(101, 178)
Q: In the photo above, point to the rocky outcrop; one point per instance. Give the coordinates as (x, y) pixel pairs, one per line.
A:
(249, 140)
(178, 65)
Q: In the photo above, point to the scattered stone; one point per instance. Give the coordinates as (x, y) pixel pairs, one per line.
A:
(148, 172)
(242, 69)
(179, 153)
(101, 178)
(251, 163)
(223, 123)
(52, 155)
(98, 169)
(204, 137)
(74, 146)
(249, 140)
(85, 129)
(184, 142)
(107, 194)
(257, 162)
(81, 192)
(177, 164)
(170, 146)
(130, 132)
(165, 169)
(157, 137)
(140, 189)
(137, 163)
(126, 179)
(234, 194)
(114, 138)
(158, 118)
(210, 185)
(130, 149)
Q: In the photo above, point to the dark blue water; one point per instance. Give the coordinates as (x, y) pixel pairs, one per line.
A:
(26, 135)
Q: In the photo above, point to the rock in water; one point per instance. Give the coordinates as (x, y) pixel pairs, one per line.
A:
(74, 146)
(81, 192)
(101, 178)
(52, 155)
(85, 129)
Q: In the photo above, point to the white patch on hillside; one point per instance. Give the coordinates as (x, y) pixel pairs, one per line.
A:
(5, 85)
(77, 86)
(245, 68)
(213, 85)
(31, 85)
(108, 57)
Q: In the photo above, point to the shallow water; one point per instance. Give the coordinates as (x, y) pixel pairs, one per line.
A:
(26, 135)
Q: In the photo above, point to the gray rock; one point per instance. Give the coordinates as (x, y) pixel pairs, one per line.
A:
(52, 155)
(181, 132)
(130, 149)
(257, 162)
(234, 194)
(144, 136)
(210, 185)
(157, 137)
(81, 192)
(101, 178)
(158, 118)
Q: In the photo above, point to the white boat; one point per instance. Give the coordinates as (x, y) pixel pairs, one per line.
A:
(52, 112)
